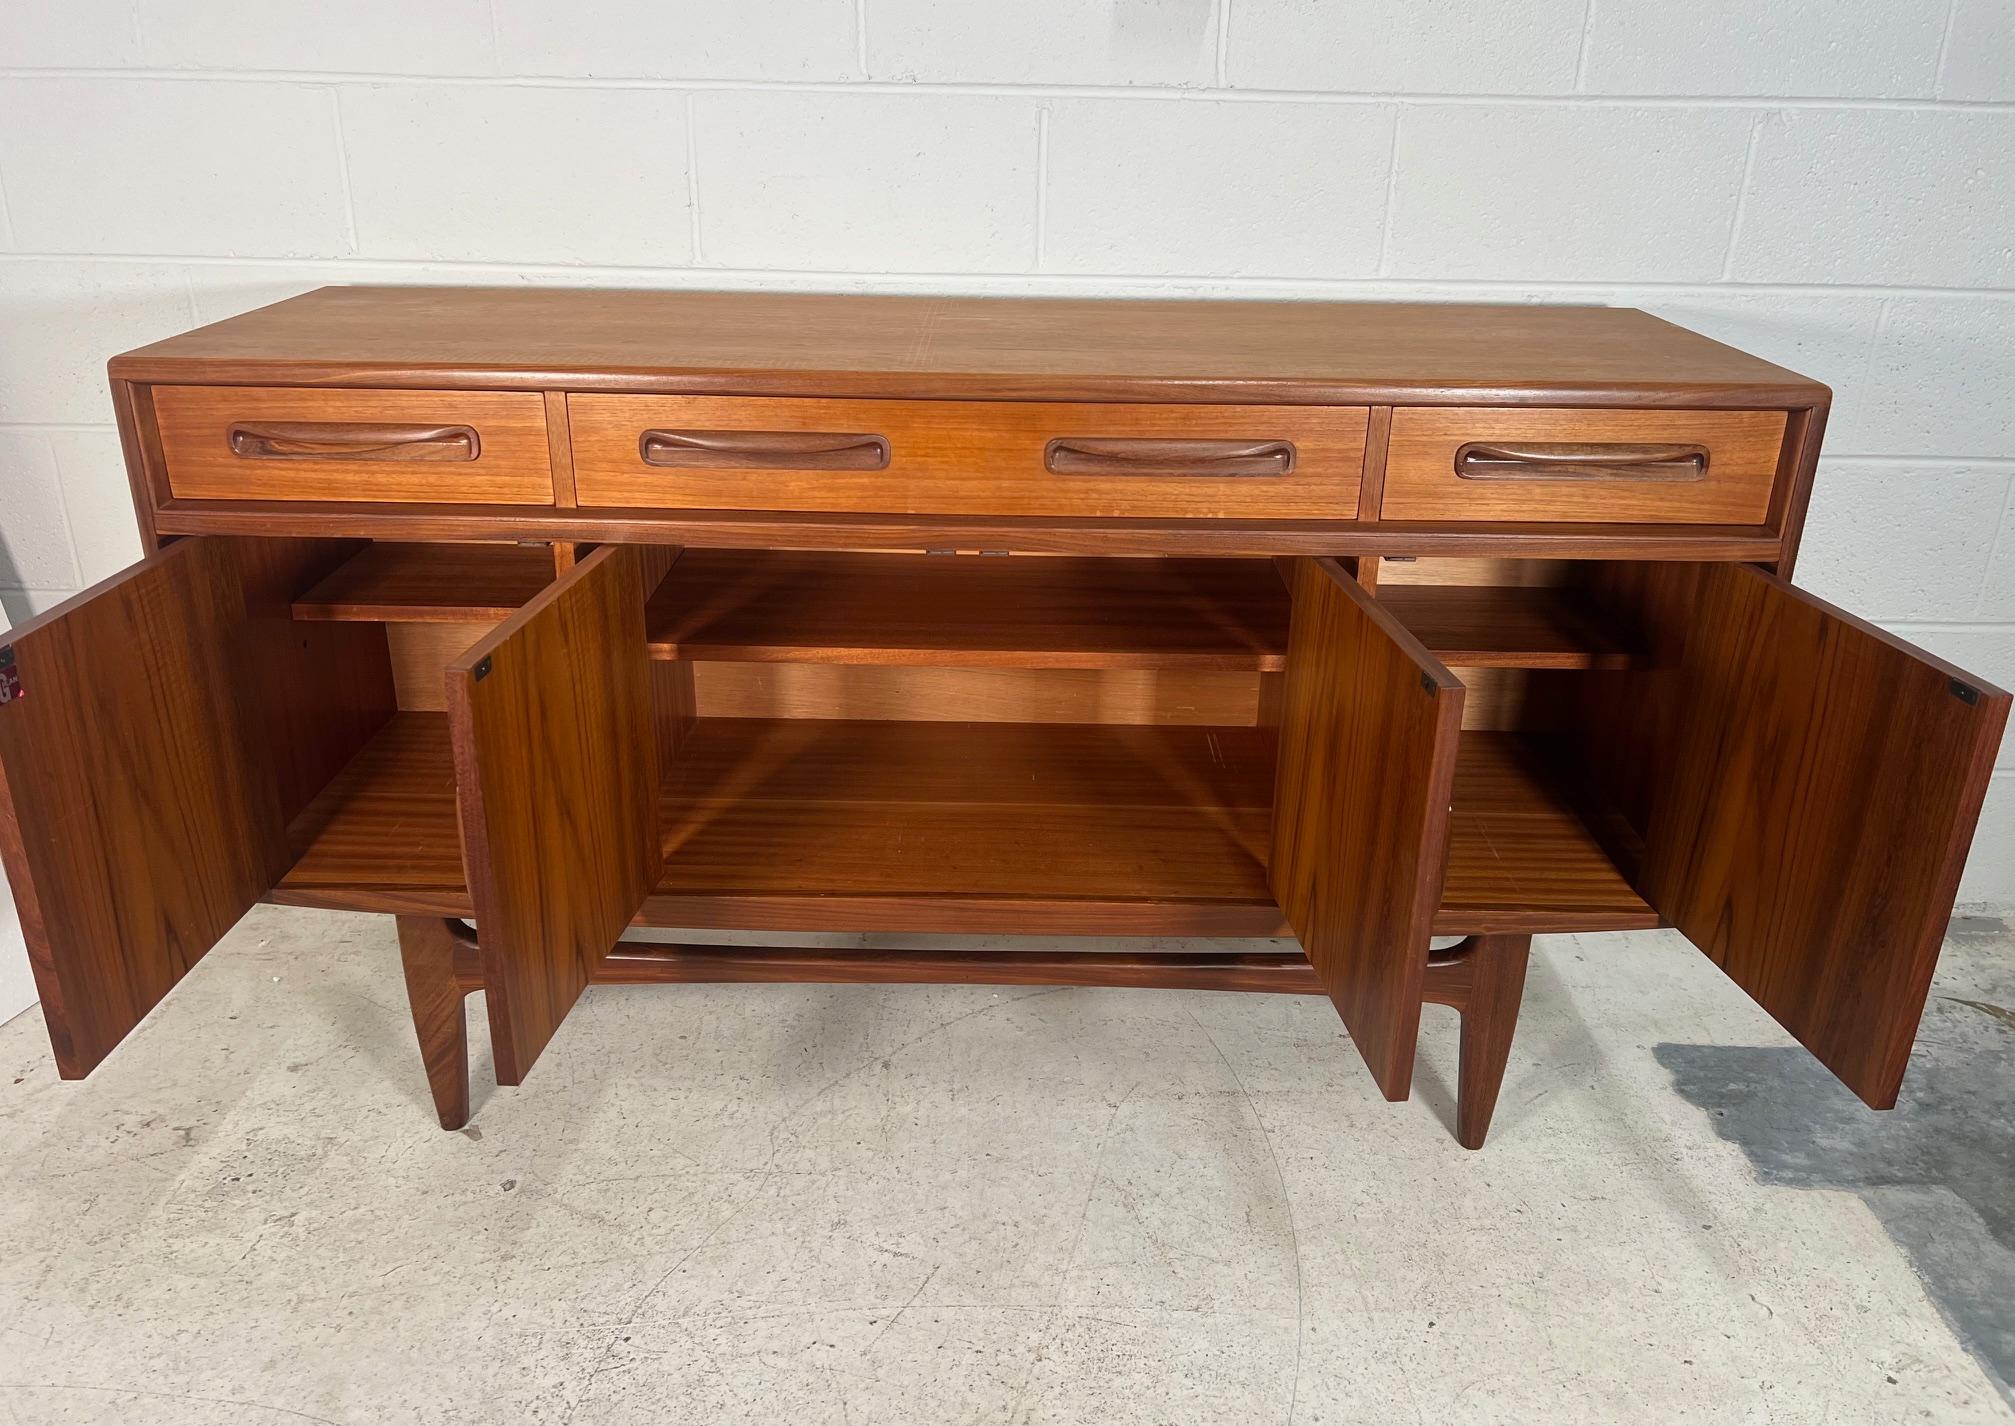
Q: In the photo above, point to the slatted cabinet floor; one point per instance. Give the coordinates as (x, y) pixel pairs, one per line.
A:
(1095, 823)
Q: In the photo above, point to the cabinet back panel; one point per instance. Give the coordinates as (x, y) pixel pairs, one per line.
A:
(420, 656)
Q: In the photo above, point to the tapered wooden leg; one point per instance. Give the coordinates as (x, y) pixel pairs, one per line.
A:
(427, 947)
(1497, 985)
(1484, 979)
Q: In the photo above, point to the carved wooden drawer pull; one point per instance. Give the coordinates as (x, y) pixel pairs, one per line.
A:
(1099, 455)
(351, 440)
(1579, 460)
(763, 450)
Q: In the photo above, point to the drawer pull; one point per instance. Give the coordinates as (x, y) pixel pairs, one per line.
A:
(1120, 455)
(763, 450)
(351, 440)
(1579, 460)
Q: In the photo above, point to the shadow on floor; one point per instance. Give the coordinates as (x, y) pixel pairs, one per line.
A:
(1938, 1170)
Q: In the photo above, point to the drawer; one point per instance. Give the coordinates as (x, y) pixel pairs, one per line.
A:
(287, 443)
(1487, 463)
(968, 457)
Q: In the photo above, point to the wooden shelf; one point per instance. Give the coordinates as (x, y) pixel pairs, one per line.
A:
(754, 606)
(430, 584)
(1521, 857)
(979, 827)
(1105, 827)
(743, 606)
(1469, 626)
(383, 835)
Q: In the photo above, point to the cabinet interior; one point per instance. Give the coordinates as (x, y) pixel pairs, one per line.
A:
(1083, 741)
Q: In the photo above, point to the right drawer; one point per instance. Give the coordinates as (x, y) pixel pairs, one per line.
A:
(1494, 463)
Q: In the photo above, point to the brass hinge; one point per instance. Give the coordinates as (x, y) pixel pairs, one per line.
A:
(10, 676)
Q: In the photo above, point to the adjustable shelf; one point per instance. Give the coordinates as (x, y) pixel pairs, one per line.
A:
(1479, 626)
(828, 824)
(751, 606)
(430, 584)
(1067, 612)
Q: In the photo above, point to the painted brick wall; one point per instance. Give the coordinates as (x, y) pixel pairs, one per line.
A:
(1827, 184)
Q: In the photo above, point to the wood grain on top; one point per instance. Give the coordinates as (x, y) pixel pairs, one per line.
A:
(1010, 348)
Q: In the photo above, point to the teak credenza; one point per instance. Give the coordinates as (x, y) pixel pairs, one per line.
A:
(563, 612)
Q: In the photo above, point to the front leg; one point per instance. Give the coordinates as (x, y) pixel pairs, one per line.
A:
(1484, 979)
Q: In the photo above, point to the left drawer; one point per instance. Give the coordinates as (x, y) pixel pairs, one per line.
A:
(296, 443)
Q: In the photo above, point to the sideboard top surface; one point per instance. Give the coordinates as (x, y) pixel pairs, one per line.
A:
(1010, 348)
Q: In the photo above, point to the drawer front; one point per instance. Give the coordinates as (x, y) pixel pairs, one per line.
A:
(284, 443)
(967, 457)
(1485, 463)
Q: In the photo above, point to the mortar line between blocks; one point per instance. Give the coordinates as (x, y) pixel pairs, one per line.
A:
(1095, 91)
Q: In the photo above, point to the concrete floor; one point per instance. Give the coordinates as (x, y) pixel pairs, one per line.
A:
(944, 1205)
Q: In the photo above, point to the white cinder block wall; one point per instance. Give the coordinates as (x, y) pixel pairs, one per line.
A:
(1831, 185)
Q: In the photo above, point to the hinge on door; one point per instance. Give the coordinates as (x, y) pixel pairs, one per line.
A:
(483, 668)
(1427, 682)
(1965, 692)
(10, 676)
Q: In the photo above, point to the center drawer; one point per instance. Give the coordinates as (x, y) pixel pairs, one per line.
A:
(968, 457)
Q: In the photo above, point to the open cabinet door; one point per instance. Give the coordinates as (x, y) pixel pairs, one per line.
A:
(1369, 726)
(556, 768)
(1815, 815)
(156, 733)
(138, 818)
